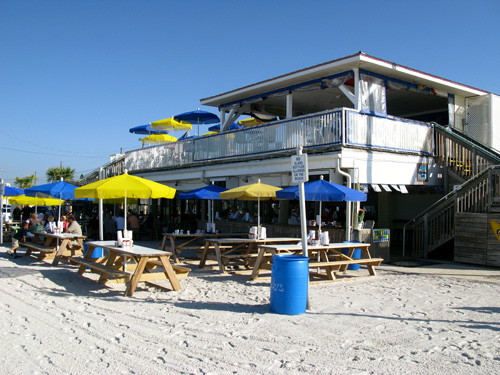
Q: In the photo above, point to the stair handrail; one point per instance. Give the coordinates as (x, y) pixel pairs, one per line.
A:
(446, 198)
(472, 143)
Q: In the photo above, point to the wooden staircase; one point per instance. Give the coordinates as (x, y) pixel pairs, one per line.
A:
(474, 170)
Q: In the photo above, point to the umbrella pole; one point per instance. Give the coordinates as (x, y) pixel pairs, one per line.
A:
(319, 224)
(101, 221)
(125, 216)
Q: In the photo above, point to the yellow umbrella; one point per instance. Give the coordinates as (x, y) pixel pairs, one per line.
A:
(210, 133)
(125, 186)
(252, 192)
(250, 122)
(171, 124)
(33, 201)
(158, 138)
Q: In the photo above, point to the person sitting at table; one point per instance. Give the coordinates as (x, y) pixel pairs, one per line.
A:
(64, 221)
(246, 216)
(49, 227)
(327, 216)
(295, 216)
(73, 226)
(234, 214)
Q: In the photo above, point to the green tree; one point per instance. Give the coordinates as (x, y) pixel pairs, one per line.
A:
(54, 174)
(25, 182)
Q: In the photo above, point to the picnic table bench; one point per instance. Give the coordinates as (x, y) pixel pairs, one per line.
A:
(328, 259)
(244, 249)
(45, 252)
(56, 246)
(177, 242)
(145, 260)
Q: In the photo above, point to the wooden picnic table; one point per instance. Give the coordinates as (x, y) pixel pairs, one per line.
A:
(329, 258)
(188, 241)
(116, 265)
(237, 248)
(56, 246)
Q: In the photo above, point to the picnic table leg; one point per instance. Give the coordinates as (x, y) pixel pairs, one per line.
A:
(163, 245)
(60, 252)
(256, 267)
(204, 255)
(173, 249)
(169, 271)
(330, 274)
(132, 283)
(218, 255)
(111, 261)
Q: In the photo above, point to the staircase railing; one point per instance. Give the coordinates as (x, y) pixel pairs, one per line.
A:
(469, 161)
(436, 225)
(460, 154)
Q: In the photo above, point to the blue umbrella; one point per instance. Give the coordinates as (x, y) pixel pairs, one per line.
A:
(216, 128)
(199, 117)
(146, 129)
(322, 190)
(60, 189)
(12, 191)
(209, 192)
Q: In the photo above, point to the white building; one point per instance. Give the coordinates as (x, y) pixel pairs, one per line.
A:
(406, 137)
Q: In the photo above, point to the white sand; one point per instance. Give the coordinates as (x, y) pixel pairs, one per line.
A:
(400, 322)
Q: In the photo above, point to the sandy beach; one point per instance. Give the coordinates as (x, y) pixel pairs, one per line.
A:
(437, 319)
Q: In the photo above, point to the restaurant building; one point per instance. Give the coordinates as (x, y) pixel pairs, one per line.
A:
(405, 137)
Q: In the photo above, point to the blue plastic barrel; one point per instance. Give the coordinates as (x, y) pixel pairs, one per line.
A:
(355, 255)
(289, 284)
(97, 253)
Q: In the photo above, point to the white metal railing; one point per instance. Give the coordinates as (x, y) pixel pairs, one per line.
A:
(334, 127)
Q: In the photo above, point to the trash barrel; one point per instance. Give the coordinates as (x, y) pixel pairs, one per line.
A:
(289, 284)
(97, 253)
(355, 255)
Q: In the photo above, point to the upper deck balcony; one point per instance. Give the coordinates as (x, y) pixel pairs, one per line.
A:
(320, 132)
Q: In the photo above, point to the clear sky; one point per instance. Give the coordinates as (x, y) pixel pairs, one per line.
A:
(76, 75)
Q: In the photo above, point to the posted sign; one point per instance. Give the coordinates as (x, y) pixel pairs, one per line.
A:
(300, 169)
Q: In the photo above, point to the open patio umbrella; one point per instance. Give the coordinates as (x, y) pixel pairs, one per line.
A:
(33, 201)
(158, 139)
(146, 130)
(171, 124)
(209, 192)
(198, 117)
(124, 186)
(12, 191)
(216, 128)
(323, 191)
(252, 192)
(60, 190)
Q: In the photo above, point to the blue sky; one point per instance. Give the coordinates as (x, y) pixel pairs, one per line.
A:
(76, 75)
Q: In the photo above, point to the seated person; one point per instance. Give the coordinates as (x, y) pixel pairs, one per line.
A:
(295, 216)
(49, 227)
(246, 216)
(326, 217)
(234, 214)
(73, 228)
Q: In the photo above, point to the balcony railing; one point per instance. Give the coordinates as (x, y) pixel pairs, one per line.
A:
(328, 129)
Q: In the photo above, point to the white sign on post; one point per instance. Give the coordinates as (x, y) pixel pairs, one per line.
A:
(300, 169)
